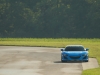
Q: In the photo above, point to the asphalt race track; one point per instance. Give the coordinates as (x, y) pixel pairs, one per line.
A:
(16, 60)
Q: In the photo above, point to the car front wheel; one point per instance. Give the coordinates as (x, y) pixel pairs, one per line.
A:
(61, 59)
(86, 60)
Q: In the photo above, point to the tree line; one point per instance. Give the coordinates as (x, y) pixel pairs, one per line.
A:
(50, 18)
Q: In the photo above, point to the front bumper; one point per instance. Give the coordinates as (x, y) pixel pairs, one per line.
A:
(74, 58)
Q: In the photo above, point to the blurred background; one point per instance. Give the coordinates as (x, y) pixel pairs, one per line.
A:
(50, 18)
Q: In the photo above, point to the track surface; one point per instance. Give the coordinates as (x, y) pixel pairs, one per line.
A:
(35, 61)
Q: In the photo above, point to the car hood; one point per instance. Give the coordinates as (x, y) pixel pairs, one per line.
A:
(75, 52)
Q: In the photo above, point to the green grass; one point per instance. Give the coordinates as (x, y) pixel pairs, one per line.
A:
(92, 72)
(92, 44)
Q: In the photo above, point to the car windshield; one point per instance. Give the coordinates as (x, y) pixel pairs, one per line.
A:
(74, 49)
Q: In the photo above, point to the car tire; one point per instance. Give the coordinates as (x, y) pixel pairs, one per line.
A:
(86, 60)
(61, 59)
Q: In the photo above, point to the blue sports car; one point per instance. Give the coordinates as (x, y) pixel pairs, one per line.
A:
(74, 53)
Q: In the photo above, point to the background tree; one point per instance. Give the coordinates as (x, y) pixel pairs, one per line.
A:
(50, 18)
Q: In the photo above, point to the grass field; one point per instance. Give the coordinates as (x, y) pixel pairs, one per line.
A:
(92, 44)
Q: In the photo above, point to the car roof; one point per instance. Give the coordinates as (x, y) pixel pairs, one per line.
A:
(74, 46)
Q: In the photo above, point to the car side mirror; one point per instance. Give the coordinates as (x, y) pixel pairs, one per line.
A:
(87, 49)
(62, 49)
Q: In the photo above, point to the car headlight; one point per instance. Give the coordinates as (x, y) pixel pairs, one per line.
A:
(64, 54)
(85, 55)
